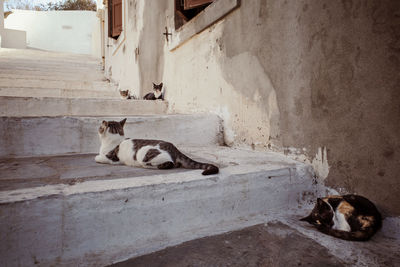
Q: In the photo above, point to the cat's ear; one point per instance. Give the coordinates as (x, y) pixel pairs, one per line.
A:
(104, 123)
(154, 85)
(122, 122)
(161, 84)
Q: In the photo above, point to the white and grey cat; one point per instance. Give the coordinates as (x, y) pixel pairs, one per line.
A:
(116, 149)
(157, 94)
(349, 217)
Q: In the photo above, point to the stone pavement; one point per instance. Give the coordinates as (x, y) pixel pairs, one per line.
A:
(272, 244)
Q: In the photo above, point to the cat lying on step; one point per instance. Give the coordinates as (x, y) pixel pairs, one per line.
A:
(348, 217)
(116, 149)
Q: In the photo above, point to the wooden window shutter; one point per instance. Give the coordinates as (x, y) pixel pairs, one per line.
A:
(116, 16)
(189, 4)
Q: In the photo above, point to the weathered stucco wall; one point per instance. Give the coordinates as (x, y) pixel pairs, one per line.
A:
(335, 66)
(316, 79)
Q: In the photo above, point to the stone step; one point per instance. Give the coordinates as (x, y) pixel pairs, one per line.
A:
(48, 106)
(43, 61)
(93, 215)
(44, 56)
(52, 75)
(43, 64)
(60, 93)
(58, 68)
(39, 61)
(55, 84)
(14, 62)
(27, 136)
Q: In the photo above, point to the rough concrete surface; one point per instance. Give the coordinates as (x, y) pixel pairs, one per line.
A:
(50, 107)
(34, 172)
(46, 65)
(271, 244)
(274, 244)
(95, 221)
(56, 92)
(39, 83)
(54, 83)
(31, 172)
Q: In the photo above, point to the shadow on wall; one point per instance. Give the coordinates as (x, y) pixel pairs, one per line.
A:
(332, 65)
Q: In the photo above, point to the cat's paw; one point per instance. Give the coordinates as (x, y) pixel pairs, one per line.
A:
(99, 159)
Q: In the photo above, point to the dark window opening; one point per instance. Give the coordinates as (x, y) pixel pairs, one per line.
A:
(114, 18)
(185, 10)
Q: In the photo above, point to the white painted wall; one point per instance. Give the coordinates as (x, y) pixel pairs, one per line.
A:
(1, 15)
(63, 31)
(10, 38)
(96, 46)
(13, 38)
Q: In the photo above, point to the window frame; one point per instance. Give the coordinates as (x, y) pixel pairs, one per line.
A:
(189, 4)
(116, 43)
(213, 13)
(114, 31)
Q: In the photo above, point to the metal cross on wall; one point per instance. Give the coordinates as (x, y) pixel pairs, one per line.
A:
(166, 33)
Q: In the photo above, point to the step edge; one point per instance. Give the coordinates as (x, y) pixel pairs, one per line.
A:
(191, 176)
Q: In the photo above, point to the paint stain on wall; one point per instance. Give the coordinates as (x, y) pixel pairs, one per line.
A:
(320, 163)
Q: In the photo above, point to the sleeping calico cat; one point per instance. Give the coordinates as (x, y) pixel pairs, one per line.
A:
(116, 149)
(348, 217)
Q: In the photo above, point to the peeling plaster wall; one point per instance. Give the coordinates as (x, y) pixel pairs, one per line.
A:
(321, 77)
(316, 79)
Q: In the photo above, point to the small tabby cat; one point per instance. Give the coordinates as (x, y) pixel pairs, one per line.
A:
(157, 93)
(116, 149)
(125, 94)
(348, 217)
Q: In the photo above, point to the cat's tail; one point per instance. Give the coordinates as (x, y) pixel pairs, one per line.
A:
(360, 235)
(188, 163)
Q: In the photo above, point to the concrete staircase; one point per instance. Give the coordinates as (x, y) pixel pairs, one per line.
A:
(59, 207)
